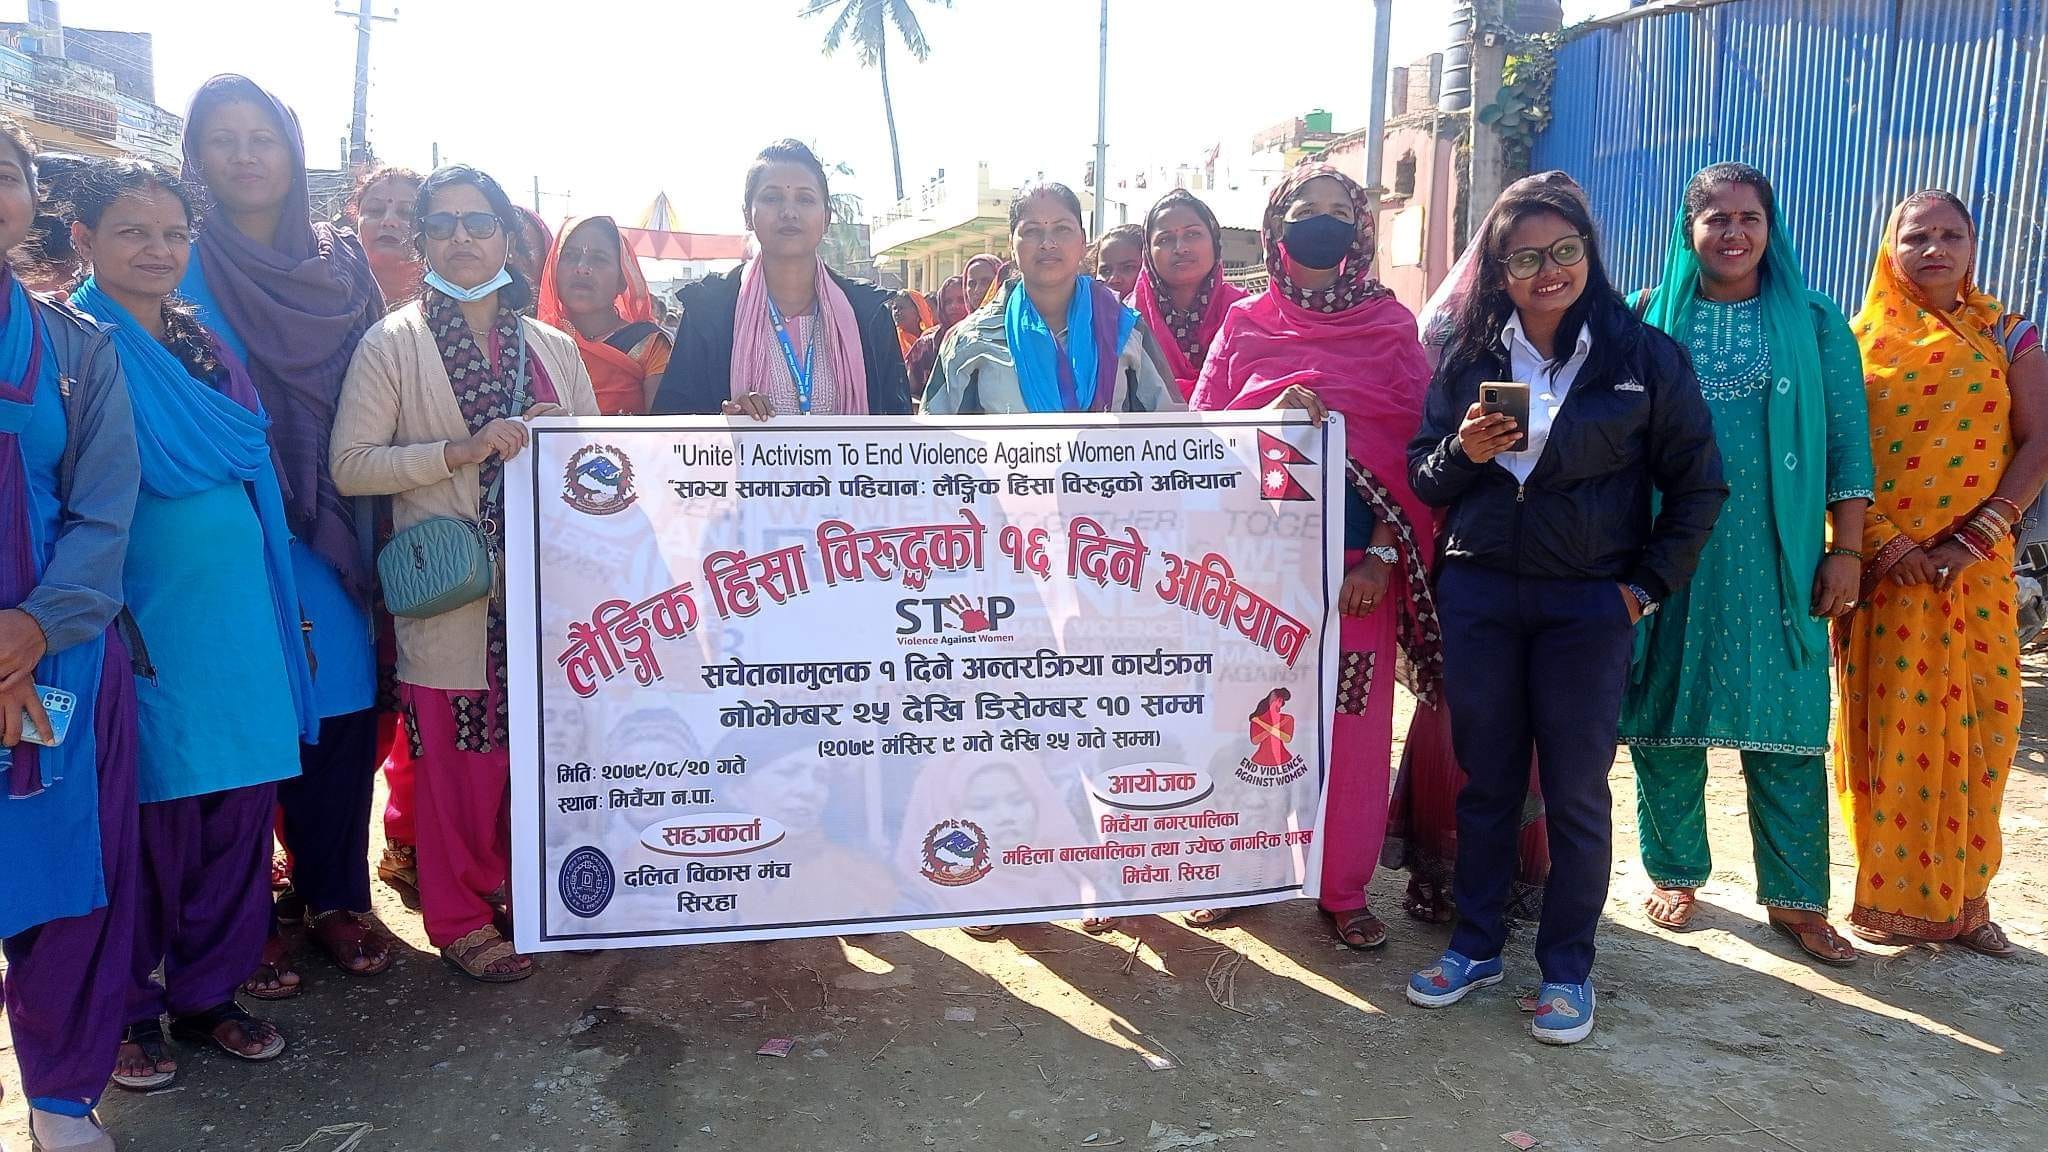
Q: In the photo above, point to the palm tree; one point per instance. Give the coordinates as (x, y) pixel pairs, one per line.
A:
(867, 22)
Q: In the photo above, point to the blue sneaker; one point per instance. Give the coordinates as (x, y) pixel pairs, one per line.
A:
(1564, 1013)
(1450, 978)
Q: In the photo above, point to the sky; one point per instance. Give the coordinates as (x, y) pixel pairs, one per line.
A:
(632, 97)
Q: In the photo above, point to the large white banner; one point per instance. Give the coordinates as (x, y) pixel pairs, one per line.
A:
(830, 675)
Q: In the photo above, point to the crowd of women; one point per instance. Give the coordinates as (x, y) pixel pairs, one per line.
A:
(212, 408)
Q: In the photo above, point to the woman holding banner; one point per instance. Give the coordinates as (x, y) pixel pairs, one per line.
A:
(1056, 341)
(439, 449)
(1326, 336)
(784, 334)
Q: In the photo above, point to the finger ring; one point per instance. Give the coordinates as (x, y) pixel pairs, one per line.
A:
(1941, 572)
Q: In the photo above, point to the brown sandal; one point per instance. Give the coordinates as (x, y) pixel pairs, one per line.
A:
(355, 947)
(1879, 936)
(1988, 939)
(268, 981)
(1818, 939)
(1100, 925)
(399, 867)
(1359, 929)
(1426, 903)
(473, 955)
(1671, 908)
(1208, 917)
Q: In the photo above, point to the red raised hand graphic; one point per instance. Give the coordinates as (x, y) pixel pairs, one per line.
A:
(972, 619)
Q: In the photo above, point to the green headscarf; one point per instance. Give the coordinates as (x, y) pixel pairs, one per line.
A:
(1795, 413)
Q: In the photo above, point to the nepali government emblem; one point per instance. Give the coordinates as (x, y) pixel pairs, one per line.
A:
(587, 882)
(598, 480)
(955, 853)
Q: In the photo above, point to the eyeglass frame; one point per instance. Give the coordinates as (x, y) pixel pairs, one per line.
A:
(1548, 255)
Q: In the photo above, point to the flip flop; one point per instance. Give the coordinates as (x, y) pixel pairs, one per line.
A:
(1208, 917)
(1683, 903)
(1359, 930)
(147, 1035)
(203, 1028)
(1806, 934)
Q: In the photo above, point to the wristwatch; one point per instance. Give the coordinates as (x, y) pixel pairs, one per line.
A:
(1644, 601)
(1385, 554)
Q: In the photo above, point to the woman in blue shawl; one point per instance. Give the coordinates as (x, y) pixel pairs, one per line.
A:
(1739, 657)
(67, 813)
(209, 578)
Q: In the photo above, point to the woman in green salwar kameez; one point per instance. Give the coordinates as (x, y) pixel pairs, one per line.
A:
(1739, 657)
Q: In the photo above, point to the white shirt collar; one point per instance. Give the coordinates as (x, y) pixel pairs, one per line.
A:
(1512, 339)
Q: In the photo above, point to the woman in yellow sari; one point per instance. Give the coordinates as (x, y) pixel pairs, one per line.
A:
(1930, 695)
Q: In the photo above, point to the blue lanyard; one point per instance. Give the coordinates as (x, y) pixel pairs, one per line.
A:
(802, 376)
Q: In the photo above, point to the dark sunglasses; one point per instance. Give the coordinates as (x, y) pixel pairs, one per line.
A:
(479, 225)
(1525, 263)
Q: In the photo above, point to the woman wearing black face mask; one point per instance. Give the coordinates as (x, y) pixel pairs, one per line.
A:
(1326, 335)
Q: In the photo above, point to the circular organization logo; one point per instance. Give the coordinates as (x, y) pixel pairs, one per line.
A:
(598, 480)
(955, 853)
(587, 882)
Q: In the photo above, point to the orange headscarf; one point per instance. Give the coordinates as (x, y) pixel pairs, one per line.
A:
(924, 323)
(618, 379)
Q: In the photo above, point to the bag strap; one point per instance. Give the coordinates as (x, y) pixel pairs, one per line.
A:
(521, 401)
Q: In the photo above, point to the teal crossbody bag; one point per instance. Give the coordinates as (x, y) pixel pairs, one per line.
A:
(445, 562)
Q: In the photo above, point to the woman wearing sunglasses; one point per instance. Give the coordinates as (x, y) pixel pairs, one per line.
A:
(1551, 555)
(404, 430)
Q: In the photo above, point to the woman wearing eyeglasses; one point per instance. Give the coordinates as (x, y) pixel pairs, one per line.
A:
(1551, 555)
(438, 448)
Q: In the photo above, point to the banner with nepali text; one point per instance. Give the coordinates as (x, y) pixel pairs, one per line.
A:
(863, 674)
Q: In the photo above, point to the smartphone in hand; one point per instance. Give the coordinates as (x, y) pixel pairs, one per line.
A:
(1510, 399)
(59, 705)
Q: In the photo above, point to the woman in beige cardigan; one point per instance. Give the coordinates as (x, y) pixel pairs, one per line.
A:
(437, 448)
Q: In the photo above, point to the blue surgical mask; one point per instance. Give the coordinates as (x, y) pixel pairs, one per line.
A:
(439, 283)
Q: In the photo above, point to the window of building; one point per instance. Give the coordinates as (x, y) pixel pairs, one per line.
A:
(1404, 175)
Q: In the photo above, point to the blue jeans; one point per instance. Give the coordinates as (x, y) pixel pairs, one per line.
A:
(1533, 664)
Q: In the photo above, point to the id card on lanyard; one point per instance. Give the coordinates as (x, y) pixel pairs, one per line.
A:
(800, 376)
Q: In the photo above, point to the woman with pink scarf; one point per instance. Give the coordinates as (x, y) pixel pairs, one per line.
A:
(1326, 336)
(1181, 292)
(784, 335)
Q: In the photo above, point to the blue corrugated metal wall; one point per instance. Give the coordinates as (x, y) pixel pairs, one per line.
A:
(1848, 104)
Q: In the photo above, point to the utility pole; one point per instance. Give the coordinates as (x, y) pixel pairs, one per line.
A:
(359, 124)
(536, 195)
(1376, 120)
(1102, 121)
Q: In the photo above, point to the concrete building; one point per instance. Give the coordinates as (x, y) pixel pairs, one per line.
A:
(1420, 181)
(932, 233)
(85, 90)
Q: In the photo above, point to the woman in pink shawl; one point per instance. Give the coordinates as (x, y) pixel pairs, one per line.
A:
(1326, 336)
(1181, 292)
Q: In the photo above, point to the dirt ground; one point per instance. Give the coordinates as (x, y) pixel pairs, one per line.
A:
(1052, 1039)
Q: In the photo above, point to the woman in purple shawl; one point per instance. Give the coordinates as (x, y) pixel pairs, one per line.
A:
(68, 478)
(291, 297)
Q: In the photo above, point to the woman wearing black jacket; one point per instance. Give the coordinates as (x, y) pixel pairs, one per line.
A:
(784, 334)
(1550, 556)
